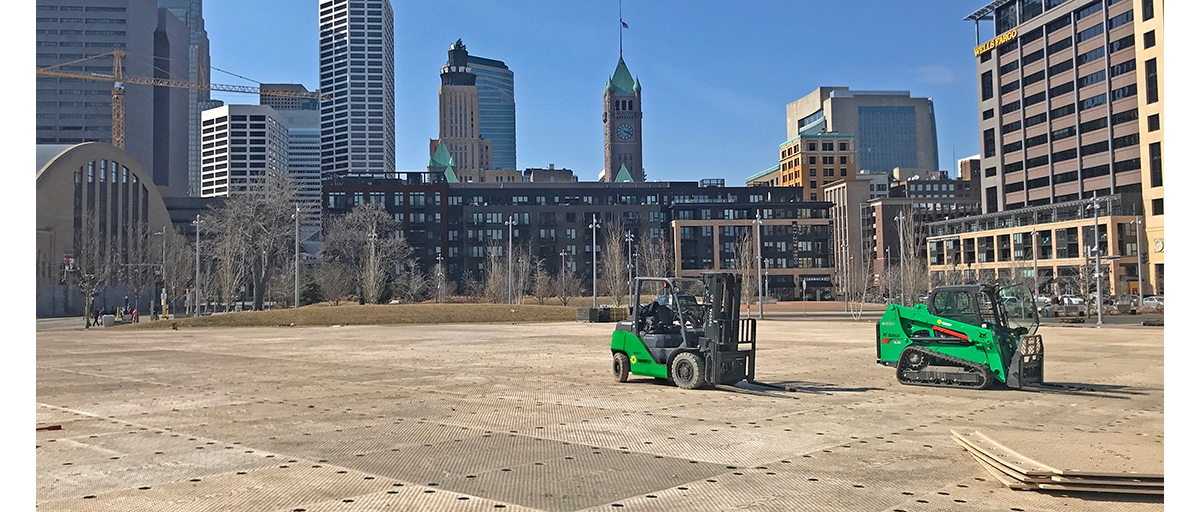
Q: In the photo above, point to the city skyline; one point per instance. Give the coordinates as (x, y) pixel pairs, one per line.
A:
(716, 106)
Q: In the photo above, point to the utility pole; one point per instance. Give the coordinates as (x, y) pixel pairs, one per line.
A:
(297, 215)
(371, 243)
(510, 223)
(163, 298)
(594, 225)
(758, 257)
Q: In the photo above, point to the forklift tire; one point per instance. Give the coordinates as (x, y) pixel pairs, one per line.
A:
(687, 371)
(620, 367)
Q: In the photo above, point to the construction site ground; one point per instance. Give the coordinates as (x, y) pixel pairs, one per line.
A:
(476, 417)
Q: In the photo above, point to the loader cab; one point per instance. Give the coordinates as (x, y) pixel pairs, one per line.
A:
(1010, 307)
(666, 314)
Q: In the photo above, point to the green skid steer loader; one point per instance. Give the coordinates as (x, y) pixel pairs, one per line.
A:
(964, 336)
(691, 334)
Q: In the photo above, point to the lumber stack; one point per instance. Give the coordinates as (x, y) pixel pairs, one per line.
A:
(1017, 471)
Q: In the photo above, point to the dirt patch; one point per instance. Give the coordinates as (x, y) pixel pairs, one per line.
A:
(354, 314)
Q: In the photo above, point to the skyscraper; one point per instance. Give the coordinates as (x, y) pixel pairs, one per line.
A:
(256, 138)
(623, 126)
(458, 114)
(358, 125)
(191, 13)
(497, 109)
(303, 118)
(71, 110)
(891, 129)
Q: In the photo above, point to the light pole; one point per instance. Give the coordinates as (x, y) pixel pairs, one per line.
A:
(163, 297)
(887, 273)
(196, 287)
(510, 223)
(297, 277)
(1095, 206)
(440, 279)
(562, 273)
(629, 264)
(594, 225)
(845, 275)
(1034, 243)
(758, 257)
(1138, 234)
(900, 228)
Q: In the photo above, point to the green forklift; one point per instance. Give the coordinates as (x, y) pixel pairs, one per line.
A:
(691, 334)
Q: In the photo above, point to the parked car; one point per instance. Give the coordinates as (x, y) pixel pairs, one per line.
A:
(1072, 300)
(1153, 301)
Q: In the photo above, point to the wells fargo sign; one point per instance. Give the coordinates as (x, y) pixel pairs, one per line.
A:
(999, 40)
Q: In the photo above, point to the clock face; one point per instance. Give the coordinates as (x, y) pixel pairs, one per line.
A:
(624, 132)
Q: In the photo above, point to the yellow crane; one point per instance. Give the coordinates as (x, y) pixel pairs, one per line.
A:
(119, 79)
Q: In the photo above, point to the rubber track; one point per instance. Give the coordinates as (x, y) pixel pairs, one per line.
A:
(936, 357)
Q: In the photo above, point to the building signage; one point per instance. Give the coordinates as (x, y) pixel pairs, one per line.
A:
(999, 40)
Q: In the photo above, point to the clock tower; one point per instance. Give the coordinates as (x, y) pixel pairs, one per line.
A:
(623, 125)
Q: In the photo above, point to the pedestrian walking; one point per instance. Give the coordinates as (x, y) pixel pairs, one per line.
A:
(134, 315)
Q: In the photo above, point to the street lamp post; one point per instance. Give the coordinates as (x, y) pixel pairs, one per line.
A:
(845, 272)
(887, 272)
(297, 276)
(1138, 234)
(510, 223)
(900, 227)
(163, 297)
(1034, 243)
(629, 264)
(1095, 206)
(562, 273)
(440, 280)
(758, 258)
(196, 287)
(594, 225)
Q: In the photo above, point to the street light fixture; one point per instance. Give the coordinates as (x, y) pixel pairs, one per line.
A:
(163, 297)
(595, 224)
(629, 264)
(196, 287)
(440, 279)
(844, 272)
(562, 273)
(510, 223)
(297, 276)
(900, 228)
(1095, 207)
(1138, 233)
(758, 258)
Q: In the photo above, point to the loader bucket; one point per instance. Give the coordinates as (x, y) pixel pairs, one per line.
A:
(1027, 366)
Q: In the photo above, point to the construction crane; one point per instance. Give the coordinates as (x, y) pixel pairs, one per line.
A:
(119, 79)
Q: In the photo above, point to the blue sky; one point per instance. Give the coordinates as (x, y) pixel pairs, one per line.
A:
(716, 75)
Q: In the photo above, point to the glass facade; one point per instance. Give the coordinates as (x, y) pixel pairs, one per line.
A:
(497, 109)
(887, 137)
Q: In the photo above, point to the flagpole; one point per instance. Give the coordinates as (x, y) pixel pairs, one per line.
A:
(621, 30)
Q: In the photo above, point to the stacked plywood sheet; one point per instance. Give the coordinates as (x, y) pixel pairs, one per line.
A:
(1017, 471)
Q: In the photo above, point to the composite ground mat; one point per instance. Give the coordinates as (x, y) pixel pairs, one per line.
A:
(1098, 465)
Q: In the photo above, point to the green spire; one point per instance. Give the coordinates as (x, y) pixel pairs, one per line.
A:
(622, 82)
(441, 157)
(623, 175)
(451, 176)
(637, 86)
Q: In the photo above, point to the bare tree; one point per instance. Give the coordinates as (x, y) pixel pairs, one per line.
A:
(614, 274)
(91, 267)
(495, 275)
(543, 283)
(333, 279)
(180, 268)
(367, 242)
(470, 286)
(252, 232)
(656, 257)
(568, 285)
(413, 285)
(523, 268)
(914, 277)
(745, 264)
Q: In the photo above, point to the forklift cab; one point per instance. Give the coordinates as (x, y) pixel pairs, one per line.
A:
(675, 318)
